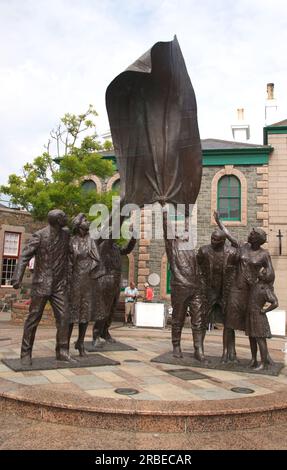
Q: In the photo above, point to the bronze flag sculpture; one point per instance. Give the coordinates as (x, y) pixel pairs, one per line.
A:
(153, 120)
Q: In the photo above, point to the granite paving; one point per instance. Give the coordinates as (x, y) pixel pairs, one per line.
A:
(151, 379)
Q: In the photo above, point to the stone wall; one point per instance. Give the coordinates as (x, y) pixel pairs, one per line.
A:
(19, 218)
(280, 267)
(144, 252)
(276, 192)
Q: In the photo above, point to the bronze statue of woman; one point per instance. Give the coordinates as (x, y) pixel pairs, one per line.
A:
(251, 288)
(83, 259)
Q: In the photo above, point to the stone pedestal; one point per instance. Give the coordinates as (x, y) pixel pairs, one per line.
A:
(188, 360)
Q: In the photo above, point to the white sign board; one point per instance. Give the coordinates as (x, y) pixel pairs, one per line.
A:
(149, 314)
(277, 322)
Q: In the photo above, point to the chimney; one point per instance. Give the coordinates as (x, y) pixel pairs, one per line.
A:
(240, 114)
(270, 106)
(240, 130)
(270, 91)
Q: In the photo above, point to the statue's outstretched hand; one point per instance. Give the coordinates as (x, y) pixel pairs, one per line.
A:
(132, 231)
(16, 284)
(216, 217)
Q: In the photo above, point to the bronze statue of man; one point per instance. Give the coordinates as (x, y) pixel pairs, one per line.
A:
(108, 285)
(186, 291)
(217, 266)
(50, 247)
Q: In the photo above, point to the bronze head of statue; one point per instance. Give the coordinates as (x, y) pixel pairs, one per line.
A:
(257, 237)
(80, 224)
(57, 218)
(218, 238)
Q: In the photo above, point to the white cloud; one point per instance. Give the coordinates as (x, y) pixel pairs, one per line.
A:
(60, 55)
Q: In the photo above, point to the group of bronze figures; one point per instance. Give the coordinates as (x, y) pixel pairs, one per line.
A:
(236, 277)
(80, 277)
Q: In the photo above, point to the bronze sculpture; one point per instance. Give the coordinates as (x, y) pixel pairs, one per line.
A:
(257, 325)
(153, 120)
(50, 247)
(217, 264)
(251, 288)
(186, 291)
(83, 260)
(108, 285)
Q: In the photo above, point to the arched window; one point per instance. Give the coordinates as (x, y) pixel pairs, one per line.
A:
(89, 185)
(116, 186)
(229, 198)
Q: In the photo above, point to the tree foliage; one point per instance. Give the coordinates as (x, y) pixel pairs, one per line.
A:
(54, 179)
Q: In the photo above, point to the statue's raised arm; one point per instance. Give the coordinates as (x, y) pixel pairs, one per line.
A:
(234, 242)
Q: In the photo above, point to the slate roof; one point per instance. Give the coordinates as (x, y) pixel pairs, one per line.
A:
(212, 144)
(279, 124)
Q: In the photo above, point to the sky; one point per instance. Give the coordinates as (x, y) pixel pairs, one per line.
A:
(58, 56)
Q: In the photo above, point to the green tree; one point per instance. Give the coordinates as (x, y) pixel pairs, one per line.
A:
(54, 179)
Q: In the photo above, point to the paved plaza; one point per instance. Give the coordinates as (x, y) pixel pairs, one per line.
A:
(91, 386)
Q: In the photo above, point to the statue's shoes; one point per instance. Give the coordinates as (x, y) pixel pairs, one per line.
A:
(65, 357)
(26, 361)
(99, 343)
(110, 340)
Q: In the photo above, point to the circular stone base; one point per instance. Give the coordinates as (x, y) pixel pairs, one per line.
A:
(146, 415)
(194, 399)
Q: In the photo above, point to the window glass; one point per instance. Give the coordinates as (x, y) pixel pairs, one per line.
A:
(229, 198)
(10, 256)
(89, 185)
(11, 244)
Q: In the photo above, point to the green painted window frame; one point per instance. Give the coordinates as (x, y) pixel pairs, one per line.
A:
(229, 197)
(168, 290)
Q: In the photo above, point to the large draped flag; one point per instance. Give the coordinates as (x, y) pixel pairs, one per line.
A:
(153, 119)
